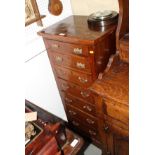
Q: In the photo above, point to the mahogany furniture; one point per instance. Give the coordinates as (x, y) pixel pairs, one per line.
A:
(77, 55)
(111, 95)
(54, 138)
(111, 92)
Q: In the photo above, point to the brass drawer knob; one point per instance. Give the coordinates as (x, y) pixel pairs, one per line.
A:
(72, 112)
(82, 80)
(80, 65)
(58, 59)
(75, 123)
(90, 121)
(87, 107)
(84, 94)
(68, 100)
(77, 51)
(92, 133)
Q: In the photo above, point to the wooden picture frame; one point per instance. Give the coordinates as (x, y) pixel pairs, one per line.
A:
(32, 13)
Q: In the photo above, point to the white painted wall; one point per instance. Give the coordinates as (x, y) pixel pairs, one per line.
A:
(86, 7)
(40, 84)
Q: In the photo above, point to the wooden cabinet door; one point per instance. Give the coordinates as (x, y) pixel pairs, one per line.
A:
(121, 145)
(117, 145)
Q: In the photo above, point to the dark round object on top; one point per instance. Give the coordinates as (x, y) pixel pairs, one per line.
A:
(100, 19)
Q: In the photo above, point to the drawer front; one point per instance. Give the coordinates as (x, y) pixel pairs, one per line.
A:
(71, 61)
(116, 110)
(83, 117)
(117, 127)
(77, 91)
(81, 79)
(76, 102)
(67, 48)
(86, 130)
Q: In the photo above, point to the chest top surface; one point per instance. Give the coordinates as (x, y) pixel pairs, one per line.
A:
(114, 84)
(75, 27)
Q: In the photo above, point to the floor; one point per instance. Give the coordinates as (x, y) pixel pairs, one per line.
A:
(92, 150)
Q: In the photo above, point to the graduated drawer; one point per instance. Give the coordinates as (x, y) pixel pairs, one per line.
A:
(86, 119)
(116, 110)
(62, 47)
(77, 91)
(86, 130)
(83, 80)
(71, 61)
(76, 102)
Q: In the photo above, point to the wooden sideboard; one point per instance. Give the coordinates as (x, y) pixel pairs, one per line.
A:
(77, 55)
(111, 96)
(111, 92)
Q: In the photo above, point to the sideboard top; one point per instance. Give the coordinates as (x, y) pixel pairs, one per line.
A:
(114, 84)
(75, 28)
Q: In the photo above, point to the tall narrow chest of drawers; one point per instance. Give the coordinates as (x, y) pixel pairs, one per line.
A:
(77, 55)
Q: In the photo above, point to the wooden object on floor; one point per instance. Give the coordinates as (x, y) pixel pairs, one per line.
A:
(77, 55)
(111, 92)
(49, 140)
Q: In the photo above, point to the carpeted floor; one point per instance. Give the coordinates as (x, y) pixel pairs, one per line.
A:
(92, 150)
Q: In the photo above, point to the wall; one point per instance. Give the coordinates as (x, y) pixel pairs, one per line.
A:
(41, 88)
(86, 7)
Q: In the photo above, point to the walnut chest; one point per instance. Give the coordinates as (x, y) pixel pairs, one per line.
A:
(77, 55)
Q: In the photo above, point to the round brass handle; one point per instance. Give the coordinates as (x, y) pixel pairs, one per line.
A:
(90, 121)
(84, 94)
(77, 51)
(58, 59)
(68, 100)
(75, 123)
(106, 128)
(82, 80)
(108, 153)
(64, 86)
(92, 132)
(87, 107)
(55, 46)
(72, 112)
(80, 65)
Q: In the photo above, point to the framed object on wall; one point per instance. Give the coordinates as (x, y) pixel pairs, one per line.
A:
(32, 13)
